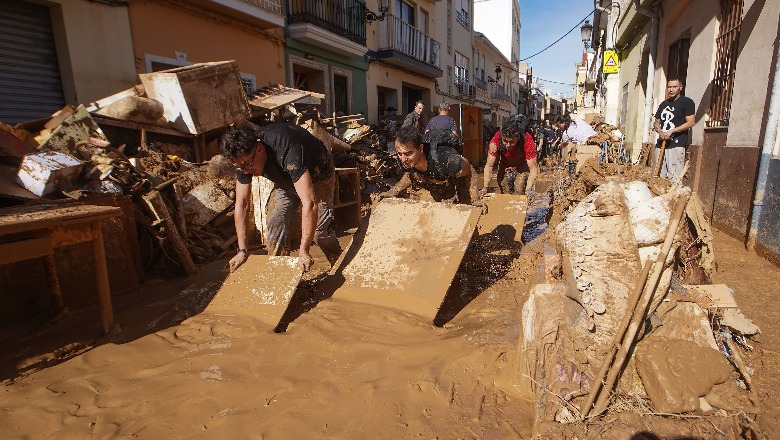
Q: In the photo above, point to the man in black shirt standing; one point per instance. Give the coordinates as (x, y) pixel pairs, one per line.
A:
(675, 116)
(302, 171)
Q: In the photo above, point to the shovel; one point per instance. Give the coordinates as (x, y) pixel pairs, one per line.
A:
(660, 159)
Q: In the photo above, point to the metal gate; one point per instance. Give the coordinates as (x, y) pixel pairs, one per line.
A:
(30, 84)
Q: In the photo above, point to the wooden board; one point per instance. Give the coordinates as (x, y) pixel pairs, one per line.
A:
(505, 216)
(407, 255)
(262, 288)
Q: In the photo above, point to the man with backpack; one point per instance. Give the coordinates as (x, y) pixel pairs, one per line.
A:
(435, 167)
(517, 167)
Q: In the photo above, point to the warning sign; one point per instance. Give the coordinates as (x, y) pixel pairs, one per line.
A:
(611, 63)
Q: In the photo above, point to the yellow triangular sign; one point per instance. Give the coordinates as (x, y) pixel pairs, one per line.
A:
(611, 62)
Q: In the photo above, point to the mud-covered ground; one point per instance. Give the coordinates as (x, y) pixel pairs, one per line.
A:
(342, 370)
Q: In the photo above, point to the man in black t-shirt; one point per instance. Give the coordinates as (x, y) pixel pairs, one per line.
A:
(303, 174)
(438, 169)
(675, 116)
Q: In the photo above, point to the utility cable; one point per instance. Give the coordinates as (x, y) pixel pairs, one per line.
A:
(559, 39)
(554, 82)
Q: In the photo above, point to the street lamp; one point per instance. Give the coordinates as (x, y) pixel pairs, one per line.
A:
(498, 73)
(383, 8)
(586, 32)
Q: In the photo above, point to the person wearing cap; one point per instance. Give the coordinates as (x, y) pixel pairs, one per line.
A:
(302, 171)
(443, 121)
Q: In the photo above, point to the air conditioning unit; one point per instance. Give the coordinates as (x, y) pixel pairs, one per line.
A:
(465, 89)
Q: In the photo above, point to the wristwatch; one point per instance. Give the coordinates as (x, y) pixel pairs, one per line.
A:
(242, 251)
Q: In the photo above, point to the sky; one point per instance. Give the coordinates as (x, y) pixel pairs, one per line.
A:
(541, 23)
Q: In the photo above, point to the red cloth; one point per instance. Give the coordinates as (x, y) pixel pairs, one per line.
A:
(529, 146)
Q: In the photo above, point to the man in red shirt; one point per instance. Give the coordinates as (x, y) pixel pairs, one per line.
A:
(517, 168)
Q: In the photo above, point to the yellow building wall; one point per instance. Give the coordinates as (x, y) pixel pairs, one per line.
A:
(163, 31)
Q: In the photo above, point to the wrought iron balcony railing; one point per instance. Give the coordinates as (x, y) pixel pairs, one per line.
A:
(480, 83)
(501, 95)
(345, 18)
(396, 34)
(274, 6)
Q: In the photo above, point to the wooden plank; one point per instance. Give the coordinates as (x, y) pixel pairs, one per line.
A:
(505, 216)
(71, 234)
(101, 278)
(407, 256)
(25, 249)
(29, 218)
(261, 288)
(156, 204)
(139, 126)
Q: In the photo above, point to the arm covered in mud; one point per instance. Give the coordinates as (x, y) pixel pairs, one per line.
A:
(240, 214)
(489, 163)
(467, 184)
(309, 214)
(533, 170)
(397, 189)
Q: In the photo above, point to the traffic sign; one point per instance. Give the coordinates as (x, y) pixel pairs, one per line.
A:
(611, 62)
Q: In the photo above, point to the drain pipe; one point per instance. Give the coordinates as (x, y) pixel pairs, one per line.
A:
(653, 37)
(767, 147)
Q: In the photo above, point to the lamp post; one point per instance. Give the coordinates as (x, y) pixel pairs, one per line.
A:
(383, 8)
(498, 73)
(586, 32)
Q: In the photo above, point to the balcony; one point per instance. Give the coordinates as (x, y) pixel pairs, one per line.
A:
(480, 83)
(404, 46)
(336, 25)
(500, 95)
(265, 14)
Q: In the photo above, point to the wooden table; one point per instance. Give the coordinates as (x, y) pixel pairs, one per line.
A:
(28, 232)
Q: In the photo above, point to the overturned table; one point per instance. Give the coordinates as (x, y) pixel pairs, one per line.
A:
(28, 232)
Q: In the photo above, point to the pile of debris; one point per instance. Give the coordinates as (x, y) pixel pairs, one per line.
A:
(627, 316)
(157, 144)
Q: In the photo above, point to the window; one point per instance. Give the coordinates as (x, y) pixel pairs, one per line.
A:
(677, 64)
(340, 94)
(462, 12)
(722, 85)
(405, 12)
(461, 68)
(423, 21)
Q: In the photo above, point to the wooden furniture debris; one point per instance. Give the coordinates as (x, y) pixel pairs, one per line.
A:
(200, 97)
(196, 141)
(46, 172)
(346, 197)
(35, 231)
(274, 96)
(156, 204)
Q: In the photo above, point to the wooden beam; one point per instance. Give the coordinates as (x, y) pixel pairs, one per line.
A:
(156, 204)
(101, 278)
(25, 249)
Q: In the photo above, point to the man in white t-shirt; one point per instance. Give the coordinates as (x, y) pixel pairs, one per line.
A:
(575, 132)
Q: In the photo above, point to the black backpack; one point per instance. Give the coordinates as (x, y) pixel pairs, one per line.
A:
(443, 136)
